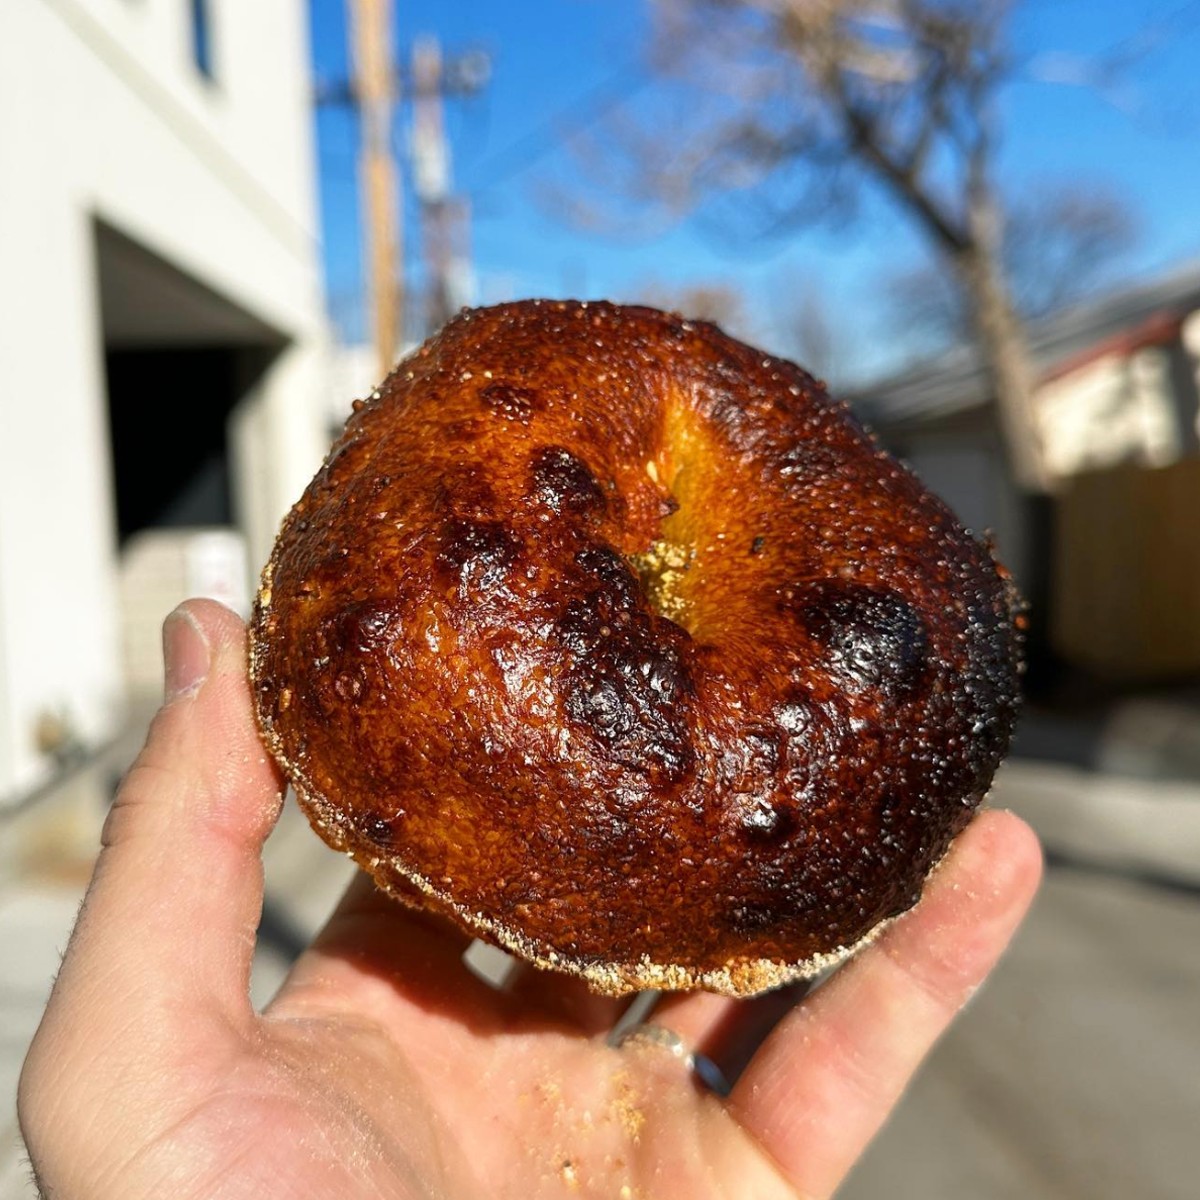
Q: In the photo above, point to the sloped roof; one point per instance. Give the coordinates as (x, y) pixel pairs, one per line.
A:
(956, 382)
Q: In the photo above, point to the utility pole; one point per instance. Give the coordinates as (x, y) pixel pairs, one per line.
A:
(445, 218)
(376, 86)
(376, 90)
(431, 176)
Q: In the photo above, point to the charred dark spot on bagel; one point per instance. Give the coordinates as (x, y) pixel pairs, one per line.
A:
(871, 638)
(345, 645)
(511, 400)
(607, 568)
(627, 684)
(777, 897)
(752, 916)
(601, 705)
(562, 481)
(477, 552)
(756, 546)
(577, 628)
(376, 829)
(765, 819)
(629, 706)
(359, 627)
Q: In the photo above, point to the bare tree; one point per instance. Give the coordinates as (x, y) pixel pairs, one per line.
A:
(1060, 245)
(801, 326)
(717, 301)
(795, 103)
(816, 339)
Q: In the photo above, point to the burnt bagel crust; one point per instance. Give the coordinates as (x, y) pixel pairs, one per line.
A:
(623, 645)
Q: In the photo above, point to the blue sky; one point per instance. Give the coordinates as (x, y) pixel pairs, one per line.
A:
(551, 56)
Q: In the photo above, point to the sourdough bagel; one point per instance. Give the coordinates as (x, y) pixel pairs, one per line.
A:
(623, 645)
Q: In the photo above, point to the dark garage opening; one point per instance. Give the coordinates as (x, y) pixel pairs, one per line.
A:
(179, 359)
(168, 413)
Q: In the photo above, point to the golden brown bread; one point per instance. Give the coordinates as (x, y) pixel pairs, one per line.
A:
(623, 645)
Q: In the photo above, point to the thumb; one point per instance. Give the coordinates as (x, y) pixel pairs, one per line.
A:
(169, 919)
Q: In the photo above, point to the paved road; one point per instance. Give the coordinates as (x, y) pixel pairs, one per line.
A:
(1075, 1075)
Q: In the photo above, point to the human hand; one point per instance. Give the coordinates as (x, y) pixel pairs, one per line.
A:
(384, 1068)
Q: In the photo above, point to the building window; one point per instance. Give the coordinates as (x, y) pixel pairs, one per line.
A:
(202, 49)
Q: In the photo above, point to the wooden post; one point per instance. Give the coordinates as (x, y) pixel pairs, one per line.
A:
(379, 175)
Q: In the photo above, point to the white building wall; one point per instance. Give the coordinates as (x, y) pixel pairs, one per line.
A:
(102, 114)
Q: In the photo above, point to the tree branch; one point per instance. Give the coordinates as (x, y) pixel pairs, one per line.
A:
(902, 178)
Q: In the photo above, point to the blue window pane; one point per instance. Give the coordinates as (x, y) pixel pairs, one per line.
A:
(202, 37)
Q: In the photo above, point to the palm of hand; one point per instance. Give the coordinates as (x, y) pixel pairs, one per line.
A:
(386, 1072)
(385, 1069)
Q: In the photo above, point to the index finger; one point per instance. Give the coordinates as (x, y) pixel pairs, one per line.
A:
(167, 925)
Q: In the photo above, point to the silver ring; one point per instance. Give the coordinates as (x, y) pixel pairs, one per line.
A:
(700, 1065)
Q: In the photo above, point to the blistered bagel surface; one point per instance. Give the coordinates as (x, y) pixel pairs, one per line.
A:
(622, 644)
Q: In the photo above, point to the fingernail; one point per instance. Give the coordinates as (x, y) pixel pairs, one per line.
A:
(186, 655)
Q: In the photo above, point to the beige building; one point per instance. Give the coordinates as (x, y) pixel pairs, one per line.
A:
(1112, 556)
(162, 387)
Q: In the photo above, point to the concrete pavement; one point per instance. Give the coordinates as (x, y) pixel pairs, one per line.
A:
(1074, 1074)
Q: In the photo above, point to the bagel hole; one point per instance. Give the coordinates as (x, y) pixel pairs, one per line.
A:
(669, 567)
(661, 570)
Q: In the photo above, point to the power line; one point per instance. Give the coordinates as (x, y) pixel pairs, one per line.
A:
(626, 81)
